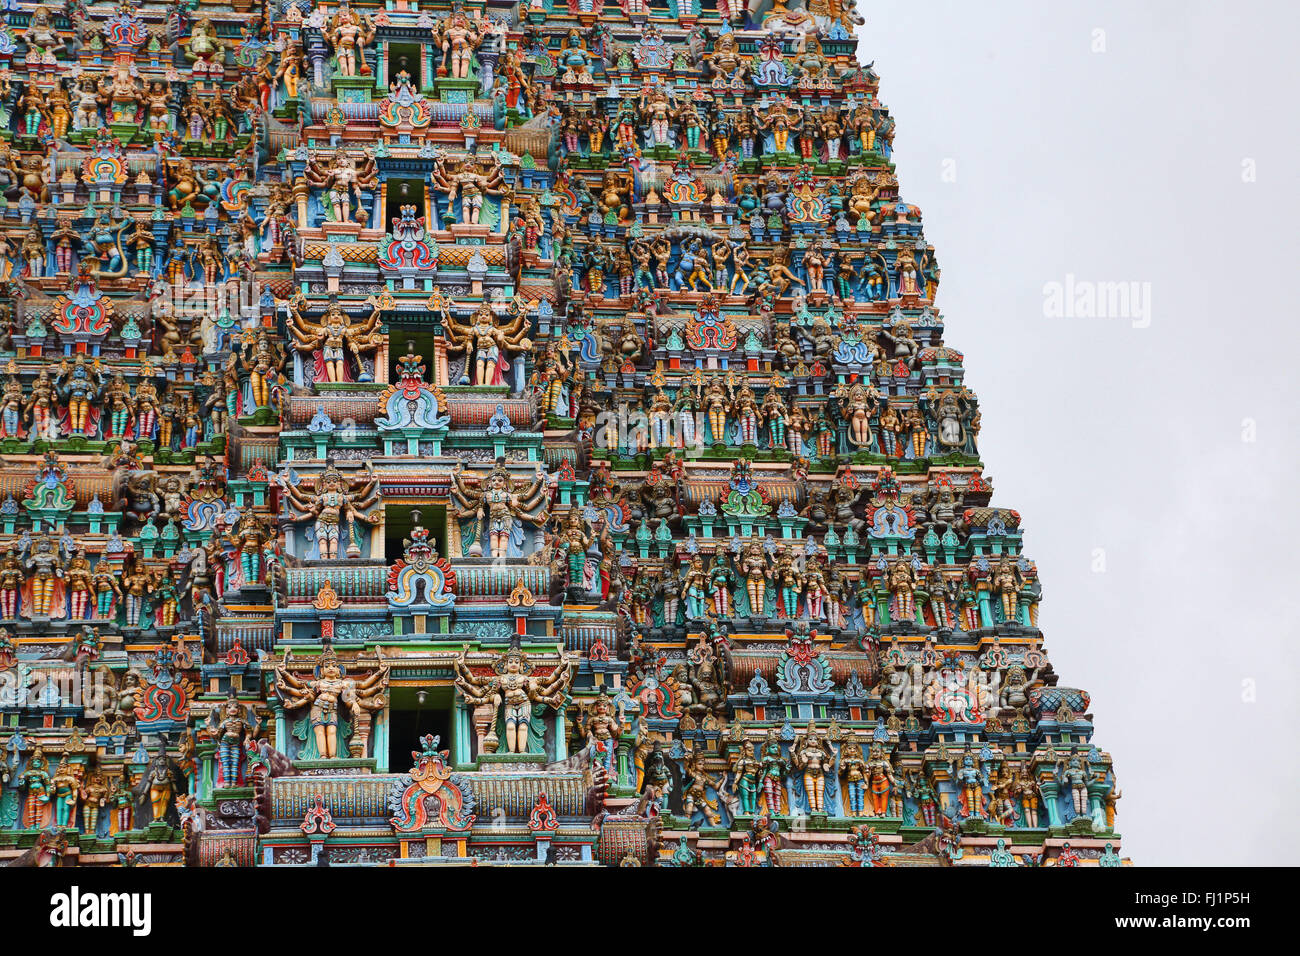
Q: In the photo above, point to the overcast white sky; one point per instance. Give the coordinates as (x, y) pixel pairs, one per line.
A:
(1133, 164)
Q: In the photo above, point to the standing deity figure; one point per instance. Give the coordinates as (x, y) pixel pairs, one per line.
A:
(715, 404)
(350, 33)
(66, 784)
(789, 582)
(327, 343)
(137, 585)
(80, 583)
(343, 180)
(966, 774)
(43, 562)
(812, 754)
(514, 690)
(816, 595)
(880, 780)
(756, 570)
(458, 37)
(1025, 790)
(11, 409)
(902, 583)
(40, 407)
(497, 509)
(261, 362)
(249, 537)
(119, 798)
(230, 725)
(107, 590)
(574, 540)
(695, 587)
(157, 788)
(1075, 775)
(695, 794)
(853, 768)
(1005, 582)
(471, 179)
(721, 579)
(334, 501)
(490, 344)
(857, 403)
(603, 729)
(325, 692)
(918, 788)
(746, 768)
(774, 772)
(94, 797)
(36, 778)
(80, 386)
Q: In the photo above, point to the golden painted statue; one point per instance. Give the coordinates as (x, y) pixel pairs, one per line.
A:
(343, 179)
(488, 343)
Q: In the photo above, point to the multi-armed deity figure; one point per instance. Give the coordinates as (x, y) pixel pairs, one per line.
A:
(350, 32)
(343, 180)
(470, 178)
(333, 502)
(488, 343)
(458, 36)
(329, 341)
(514, 690)
(328, 691)
(498, 509)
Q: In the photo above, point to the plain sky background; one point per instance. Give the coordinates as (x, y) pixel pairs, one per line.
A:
(1132, 164)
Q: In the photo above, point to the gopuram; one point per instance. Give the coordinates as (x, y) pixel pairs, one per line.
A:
(488, 432)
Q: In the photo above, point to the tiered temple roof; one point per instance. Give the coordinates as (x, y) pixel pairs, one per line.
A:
(497, 432)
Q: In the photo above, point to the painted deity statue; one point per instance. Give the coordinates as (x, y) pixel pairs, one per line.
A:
(335, 503)
(489, 343)
(458, 37)
(329, 694)
(514, 691)
(231, 724)
(350, 33)
(331, 340)
(812, 754)
(497, 508)
(471, 179)
(343, 179)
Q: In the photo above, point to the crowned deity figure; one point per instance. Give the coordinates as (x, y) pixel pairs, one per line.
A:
(514, 690)
(489, 343)
(333, 502)
(350, 33)
(342, 180)
(812, 753)
(330, 340)
(329, 691)
(458, 36)
(498, 509)
(472, 179)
